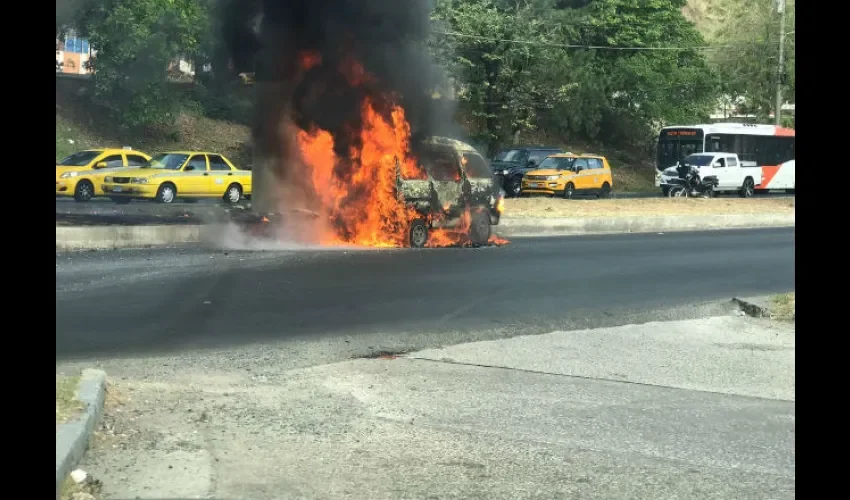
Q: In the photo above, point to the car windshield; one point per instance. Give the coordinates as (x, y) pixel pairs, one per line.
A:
(168, 161)
(509, 155)
(556, 163)
(698, 160)
(78, 159)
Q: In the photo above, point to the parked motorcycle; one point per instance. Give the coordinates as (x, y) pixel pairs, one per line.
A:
(689, 183)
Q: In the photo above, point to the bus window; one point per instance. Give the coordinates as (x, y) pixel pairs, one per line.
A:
(747, 151)
(720, 143)
(785, 149)
(765, 150)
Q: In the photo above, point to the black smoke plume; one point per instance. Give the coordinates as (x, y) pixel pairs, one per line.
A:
(387, 37)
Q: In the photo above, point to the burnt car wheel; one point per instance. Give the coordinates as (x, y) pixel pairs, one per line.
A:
(418, 233)
(479, 230)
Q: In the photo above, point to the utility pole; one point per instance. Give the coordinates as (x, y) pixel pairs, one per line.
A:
(780, 75)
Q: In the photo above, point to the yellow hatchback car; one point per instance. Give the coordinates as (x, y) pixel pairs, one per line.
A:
(81, 174)
(183, 174)
(568, 174)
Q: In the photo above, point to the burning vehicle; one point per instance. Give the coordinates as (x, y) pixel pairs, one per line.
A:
(459, 197)
(348, 126)
(450, 199)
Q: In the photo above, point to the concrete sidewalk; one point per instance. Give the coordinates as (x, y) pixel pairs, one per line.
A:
(687, 409)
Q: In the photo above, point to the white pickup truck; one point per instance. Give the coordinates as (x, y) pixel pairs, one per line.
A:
(731, 175)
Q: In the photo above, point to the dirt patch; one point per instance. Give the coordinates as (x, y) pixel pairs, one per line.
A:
(557, 207)
(784, 307)
(67, 405)
(112, 430)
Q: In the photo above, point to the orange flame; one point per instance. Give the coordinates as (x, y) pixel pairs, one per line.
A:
(363, 206)
(309, 59)
(357, 193)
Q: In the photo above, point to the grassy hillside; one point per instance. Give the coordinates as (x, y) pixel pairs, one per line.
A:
(707, 15)
(81, 125)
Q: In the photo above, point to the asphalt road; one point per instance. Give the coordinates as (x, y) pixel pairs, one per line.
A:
(129, 302)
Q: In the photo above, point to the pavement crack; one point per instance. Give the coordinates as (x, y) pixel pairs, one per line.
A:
(599, 379)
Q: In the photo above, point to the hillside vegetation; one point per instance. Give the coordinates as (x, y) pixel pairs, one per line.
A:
(609, 102)
(81, 123)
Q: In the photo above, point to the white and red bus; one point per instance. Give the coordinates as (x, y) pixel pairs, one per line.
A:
(767, 147)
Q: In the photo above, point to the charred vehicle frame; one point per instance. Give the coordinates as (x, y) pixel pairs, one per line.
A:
(460, 194)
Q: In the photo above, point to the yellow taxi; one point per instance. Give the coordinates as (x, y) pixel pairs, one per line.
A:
(569, 174)
(81, 174)
(183, 174)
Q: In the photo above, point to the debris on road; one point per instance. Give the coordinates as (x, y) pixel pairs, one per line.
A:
(80, 485)
(777, 307)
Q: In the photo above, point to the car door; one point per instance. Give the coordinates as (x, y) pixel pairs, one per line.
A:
(443, 167)
(734, 172)
(718, 169)
(594, 173)
(605, 174)
(583, 177)
(193, 178)
(479, 178)
(221, 175)
(112, 161)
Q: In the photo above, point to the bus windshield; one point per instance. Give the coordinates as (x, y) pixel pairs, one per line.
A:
(671, 150)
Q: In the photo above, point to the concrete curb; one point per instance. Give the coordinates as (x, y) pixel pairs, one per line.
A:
(109, 237)
(613, 225)
(72, 438)
(757, 307)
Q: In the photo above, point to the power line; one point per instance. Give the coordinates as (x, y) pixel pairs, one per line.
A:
(590, 47)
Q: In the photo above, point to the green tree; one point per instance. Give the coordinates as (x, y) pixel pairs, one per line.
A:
(649, 87)
(749, 62)
(135, 40)
(499, 82)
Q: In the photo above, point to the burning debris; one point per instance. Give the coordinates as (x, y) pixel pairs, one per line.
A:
(344, 105)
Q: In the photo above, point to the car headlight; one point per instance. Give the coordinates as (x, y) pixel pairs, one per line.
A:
(68, 175)
(139, 180)
(504, 172)
(552, 177)
(107, 179)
